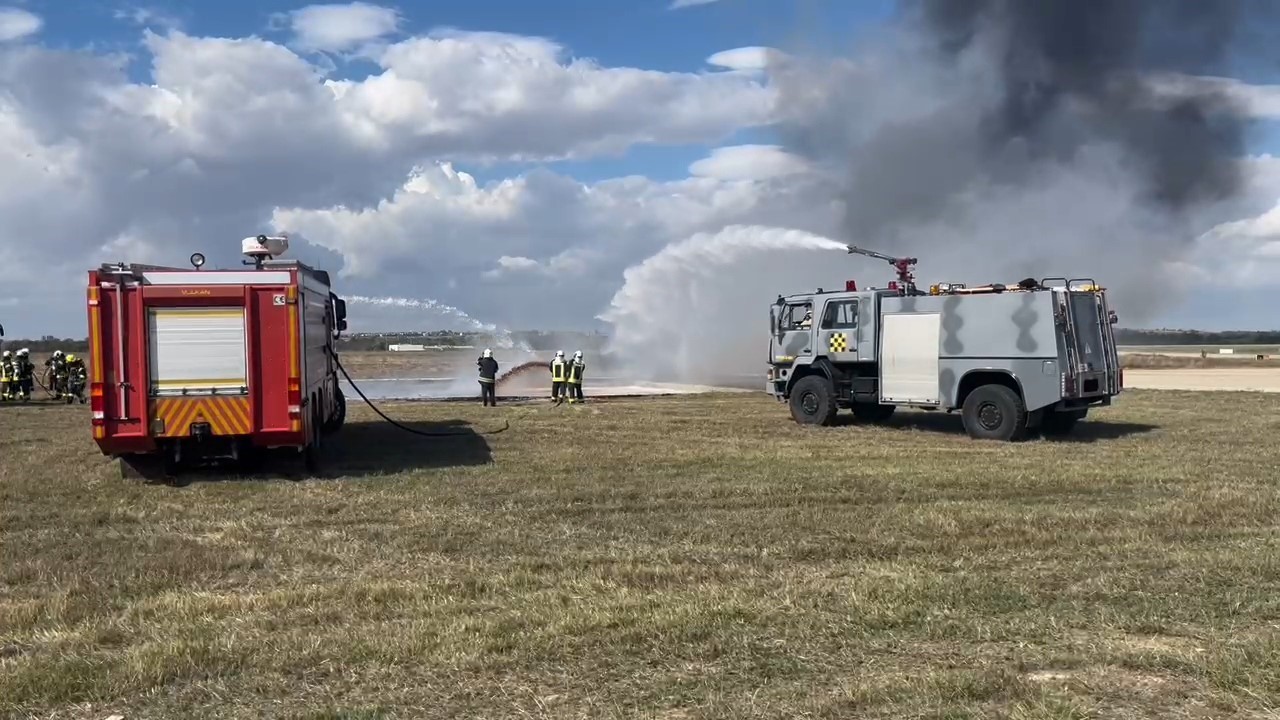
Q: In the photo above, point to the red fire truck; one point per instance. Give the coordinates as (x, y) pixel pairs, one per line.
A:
(193, 365)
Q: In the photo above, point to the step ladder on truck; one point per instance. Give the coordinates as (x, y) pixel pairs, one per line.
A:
(190, 364)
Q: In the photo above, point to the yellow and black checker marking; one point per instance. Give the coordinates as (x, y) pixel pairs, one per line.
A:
(225, 415)
(838, 342)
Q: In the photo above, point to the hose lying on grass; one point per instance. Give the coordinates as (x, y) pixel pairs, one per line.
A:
(425, 433)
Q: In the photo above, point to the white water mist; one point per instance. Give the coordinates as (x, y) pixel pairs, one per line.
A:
(460, 367)
(698, 310)
(501, 337)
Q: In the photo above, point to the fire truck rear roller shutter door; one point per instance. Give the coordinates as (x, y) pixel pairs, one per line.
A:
(197, 351)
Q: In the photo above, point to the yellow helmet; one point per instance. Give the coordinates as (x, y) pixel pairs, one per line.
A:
(71, 358)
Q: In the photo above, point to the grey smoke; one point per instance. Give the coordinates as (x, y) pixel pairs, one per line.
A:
(1007, 136)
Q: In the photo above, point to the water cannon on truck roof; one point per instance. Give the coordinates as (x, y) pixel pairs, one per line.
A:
(1030, 356)
(906, 282)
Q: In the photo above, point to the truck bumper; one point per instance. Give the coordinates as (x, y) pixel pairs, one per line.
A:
(209, 446)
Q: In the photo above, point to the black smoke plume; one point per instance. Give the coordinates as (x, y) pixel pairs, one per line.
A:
(1036, 136)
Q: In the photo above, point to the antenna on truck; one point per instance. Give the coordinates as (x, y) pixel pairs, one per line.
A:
(906, 283)
(262, 248)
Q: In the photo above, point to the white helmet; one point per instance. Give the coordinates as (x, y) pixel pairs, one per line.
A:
(7, 353)
(24, 352)
(578, 355)
(559, 353)
(488, 353)
(57, 353)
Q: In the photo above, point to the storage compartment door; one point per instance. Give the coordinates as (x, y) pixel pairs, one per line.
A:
(909, 358)
(197, 351)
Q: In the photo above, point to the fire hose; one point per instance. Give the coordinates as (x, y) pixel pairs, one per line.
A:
(425, 433)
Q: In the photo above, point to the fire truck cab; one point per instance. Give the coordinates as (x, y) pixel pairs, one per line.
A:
(196, 365)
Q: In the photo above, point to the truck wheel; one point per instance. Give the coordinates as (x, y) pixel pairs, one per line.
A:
(1061, 423)
(994, 412)
(872, 412)
(311, 451)
(311, 459)
(813, 401)
(339, 414)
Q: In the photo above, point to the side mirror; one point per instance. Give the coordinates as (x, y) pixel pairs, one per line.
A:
(1113, 318)
(339, 312)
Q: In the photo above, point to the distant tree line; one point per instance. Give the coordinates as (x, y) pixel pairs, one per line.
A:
(1196, 337)
(372, 342)
(47, 344)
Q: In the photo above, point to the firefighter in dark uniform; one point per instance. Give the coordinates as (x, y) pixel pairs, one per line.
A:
(574, 381)
(55, 372)
(77, 378)
(488, 377)
(26, 374)
(559, 373)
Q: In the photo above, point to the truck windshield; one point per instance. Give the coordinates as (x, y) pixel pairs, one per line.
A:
(796, 317)
(1084, 311)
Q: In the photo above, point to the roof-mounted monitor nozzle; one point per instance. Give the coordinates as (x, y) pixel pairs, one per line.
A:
(263, 247)
(906, 283)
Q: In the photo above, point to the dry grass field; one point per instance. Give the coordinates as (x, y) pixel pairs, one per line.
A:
(694, 557)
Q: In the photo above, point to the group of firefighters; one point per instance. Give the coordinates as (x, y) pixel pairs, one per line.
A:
(65, 376)
(566, 377)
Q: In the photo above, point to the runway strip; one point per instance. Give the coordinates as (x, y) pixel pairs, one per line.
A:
(449, 388)
(1206, 379)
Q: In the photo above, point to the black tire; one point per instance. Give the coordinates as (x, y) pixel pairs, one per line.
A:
(335, 423)
(311, 460)
(311, 464)
(994, 412)
(873, 412)
(1057, 424)
(813, 401)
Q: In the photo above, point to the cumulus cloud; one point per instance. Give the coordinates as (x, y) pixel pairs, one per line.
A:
(749, 162)
(149, 17)
(224, 130)
(16, 23)
(1240, 253)
(341, 27)
(1258, 101)
(376, 176)
(747, 59)
(540, 249)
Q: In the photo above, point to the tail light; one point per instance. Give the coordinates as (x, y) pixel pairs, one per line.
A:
(98, 404)
(295, 399)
